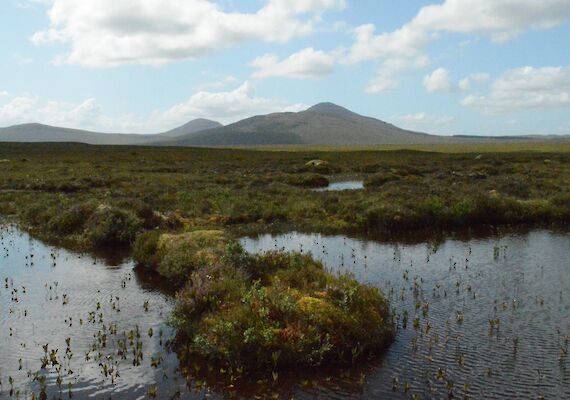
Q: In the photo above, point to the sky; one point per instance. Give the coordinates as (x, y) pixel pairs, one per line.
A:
(482, 67)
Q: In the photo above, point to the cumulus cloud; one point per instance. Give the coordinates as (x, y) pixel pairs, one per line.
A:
(385, 78)
(105, 33)
(439, 81)
(225, 107)
(83, 115)
(3, 93)
(17, 109)
(423, 122)
(305, 64)
(525, 88)
(500, 20)
(465, 83)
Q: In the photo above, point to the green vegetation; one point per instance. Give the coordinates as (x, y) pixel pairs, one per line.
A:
(277, 310)
(179, 208)
(87, 196)
(175, 257)
(253, 312)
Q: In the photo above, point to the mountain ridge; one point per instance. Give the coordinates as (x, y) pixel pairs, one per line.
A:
(36, 132)
(321, 124)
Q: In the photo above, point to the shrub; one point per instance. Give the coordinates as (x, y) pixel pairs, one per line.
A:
(72, 220)
(276, 310)
(176, 256)
(145, 249)
(109, 226)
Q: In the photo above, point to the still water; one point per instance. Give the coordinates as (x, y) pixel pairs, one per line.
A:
(488, 317)
(342, 186)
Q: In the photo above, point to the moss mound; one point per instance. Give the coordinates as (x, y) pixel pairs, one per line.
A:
(175, 256)
(111, 226)
(278, 310)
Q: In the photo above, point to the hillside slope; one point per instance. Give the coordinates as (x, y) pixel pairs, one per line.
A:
(323, 124)
(46, 133)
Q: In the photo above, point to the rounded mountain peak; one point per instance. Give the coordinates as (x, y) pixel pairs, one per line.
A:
(329, 108)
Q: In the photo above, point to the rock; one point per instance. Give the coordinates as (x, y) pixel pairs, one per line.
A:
(320, 166)
(317, 163)
(478, 175)
(480, 156)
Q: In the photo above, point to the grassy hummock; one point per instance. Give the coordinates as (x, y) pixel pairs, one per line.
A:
(176, 256)
(275, 310)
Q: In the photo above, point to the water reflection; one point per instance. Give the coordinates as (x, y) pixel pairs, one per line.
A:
(483, 318)
(341, 186)
(51, 296)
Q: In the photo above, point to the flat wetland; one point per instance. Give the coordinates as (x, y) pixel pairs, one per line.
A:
(476, 315)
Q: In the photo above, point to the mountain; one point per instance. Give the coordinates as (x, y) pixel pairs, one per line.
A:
(46, 133)
(194, 126)
(323, 124)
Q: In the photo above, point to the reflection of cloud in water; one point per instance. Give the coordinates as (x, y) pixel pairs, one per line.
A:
(342, 186)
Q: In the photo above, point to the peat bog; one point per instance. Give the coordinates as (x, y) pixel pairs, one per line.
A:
(449, 304)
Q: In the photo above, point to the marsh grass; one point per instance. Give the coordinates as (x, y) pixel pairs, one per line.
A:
(178, 208)
(234, 190)
(276, 310)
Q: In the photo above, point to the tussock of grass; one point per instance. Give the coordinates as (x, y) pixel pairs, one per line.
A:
(179, 255)
(278, 310)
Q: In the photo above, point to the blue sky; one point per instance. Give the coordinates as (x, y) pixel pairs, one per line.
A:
(490, 67)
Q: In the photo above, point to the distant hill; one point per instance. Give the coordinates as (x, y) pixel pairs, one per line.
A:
(323, 124)
(195, 126)
(46, 133)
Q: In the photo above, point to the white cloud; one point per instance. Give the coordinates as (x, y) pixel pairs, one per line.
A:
(423, 122)
(105, 33)
(439, 82)
(385, 77)
(3, 93)
(84, 115)
(498, 19)
(225, 107)
(17, 109)
(465, 83)
(525, 88)
(404, 42)
(305, 64)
